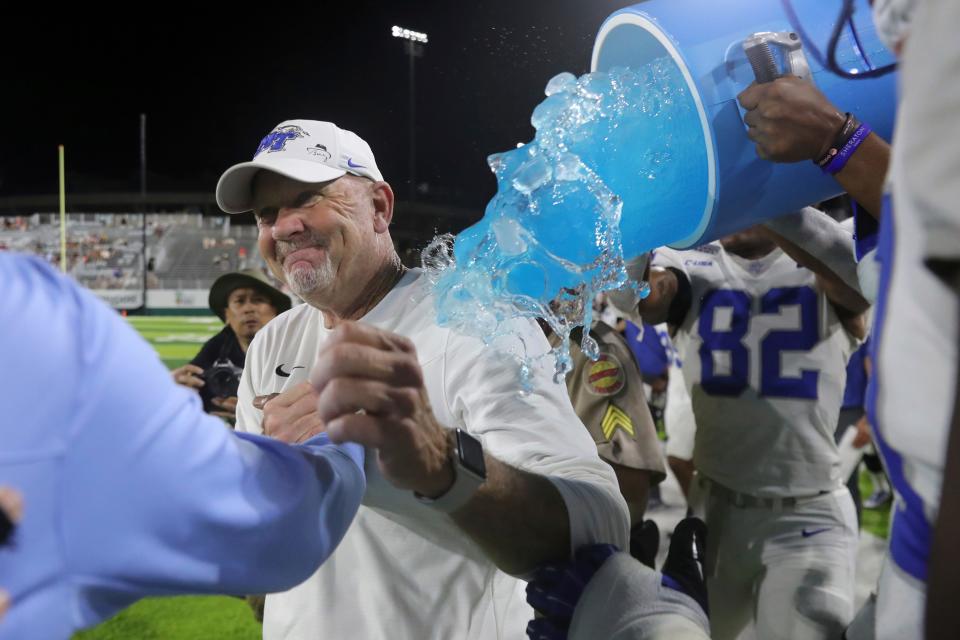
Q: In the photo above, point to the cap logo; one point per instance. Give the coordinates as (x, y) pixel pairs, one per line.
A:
(353, 165)
(320, 151)
(276, 140)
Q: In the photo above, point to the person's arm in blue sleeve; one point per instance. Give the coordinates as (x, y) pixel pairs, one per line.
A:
(210, 510)
(143, 493)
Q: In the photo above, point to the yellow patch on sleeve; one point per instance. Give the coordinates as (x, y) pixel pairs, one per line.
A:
(616, 418)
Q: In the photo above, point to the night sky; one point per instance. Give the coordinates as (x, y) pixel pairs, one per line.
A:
(212, 85)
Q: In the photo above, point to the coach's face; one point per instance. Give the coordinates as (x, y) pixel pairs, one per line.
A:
(317, 237)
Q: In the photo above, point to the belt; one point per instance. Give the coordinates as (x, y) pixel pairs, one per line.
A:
(749, 501)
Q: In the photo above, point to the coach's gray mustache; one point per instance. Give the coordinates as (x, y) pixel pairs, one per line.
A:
(285, 248)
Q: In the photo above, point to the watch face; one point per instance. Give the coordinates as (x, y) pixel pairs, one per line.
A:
(470, 452)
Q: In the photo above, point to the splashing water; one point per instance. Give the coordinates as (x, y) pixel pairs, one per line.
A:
(615, 168)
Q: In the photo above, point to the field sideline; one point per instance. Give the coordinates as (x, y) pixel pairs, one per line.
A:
(177, 340)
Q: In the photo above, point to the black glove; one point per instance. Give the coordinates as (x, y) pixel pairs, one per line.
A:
(685, 568)
(645, 542)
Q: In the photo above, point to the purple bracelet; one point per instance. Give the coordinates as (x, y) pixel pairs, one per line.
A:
(839, 161)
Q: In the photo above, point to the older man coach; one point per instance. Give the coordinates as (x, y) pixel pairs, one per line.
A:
(469, 484)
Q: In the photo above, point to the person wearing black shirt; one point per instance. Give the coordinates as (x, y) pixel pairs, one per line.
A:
(245, 301)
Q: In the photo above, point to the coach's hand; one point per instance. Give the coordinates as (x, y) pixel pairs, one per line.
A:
(371, 391)
(189, 375)
(291, 416)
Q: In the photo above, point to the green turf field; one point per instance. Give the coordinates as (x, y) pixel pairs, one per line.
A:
(177, 340)
(180, 618)
(876, 521)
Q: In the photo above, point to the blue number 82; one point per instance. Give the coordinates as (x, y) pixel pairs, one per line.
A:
(772, 382)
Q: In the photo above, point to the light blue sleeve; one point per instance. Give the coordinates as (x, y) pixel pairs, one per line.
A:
(130, 489)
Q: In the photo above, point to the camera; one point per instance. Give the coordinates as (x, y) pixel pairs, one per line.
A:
(222, 379)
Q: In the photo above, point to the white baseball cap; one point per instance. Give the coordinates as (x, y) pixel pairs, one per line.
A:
(303, 150)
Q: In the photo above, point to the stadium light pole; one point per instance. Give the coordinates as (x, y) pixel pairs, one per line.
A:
(63, 210)
(414, 42)
(143, 204)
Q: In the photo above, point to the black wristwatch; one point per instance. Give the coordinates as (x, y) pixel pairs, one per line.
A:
(469, 472)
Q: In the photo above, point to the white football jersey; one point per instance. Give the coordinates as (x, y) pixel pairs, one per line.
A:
(917, 317)
(764, 359)
(916, 363)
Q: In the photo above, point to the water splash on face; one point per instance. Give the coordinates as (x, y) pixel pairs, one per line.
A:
(571, 206)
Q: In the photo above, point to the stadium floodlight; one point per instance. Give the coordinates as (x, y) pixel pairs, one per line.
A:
(408, 34)
(414, 47)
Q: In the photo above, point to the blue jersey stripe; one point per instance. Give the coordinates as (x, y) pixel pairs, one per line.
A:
(910, 533)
